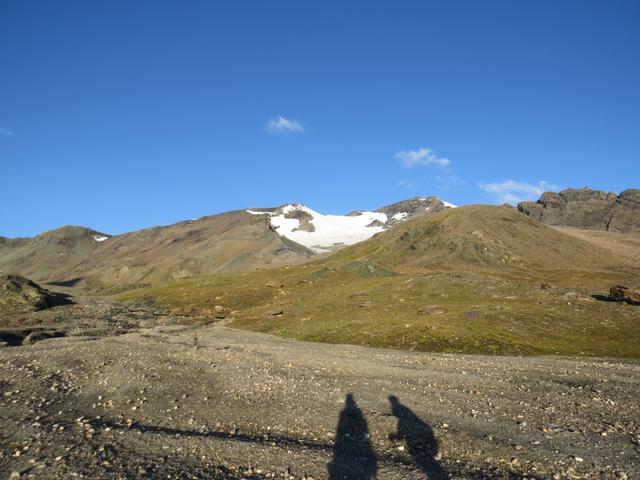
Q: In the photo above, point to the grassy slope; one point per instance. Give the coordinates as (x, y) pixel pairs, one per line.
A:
(481, 266)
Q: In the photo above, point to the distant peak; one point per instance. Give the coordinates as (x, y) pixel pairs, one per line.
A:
(322, 233)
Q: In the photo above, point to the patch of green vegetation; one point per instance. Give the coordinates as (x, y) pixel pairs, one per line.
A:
(476, 312)
(472, 285)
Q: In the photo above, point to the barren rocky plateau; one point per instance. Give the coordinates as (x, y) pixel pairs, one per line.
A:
(128, 392)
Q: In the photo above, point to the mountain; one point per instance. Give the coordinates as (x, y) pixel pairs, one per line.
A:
(476, 237)
(481, 279)
(587, 209)
(51, 253)
(235, 241)
(324, 233)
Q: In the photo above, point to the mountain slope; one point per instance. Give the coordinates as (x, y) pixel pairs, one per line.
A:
(227, 242)
(478, 237)
(480, 279)
(324, 233)
(233, 241)
(51, 253)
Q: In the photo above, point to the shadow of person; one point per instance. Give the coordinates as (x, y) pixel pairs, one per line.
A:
(421, 442)
(353, 455)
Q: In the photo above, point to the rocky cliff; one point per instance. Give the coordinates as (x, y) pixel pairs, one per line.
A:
(587, 209)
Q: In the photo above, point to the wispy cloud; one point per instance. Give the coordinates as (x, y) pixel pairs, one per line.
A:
(406, 184)
(448, 181)
(512, 191)
(422, 156)
(6, 131)
(284, 125)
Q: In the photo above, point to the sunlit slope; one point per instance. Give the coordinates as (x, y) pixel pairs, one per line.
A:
(228, 242)
(476, 279)
(479, 237)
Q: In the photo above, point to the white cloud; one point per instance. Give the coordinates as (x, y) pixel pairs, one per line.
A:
(422, 156)
(406, 184)
(284, 125)
(6, 131)
(511, 191)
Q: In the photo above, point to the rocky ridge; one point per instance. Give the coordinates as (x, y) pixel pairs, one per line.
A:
(587, 209)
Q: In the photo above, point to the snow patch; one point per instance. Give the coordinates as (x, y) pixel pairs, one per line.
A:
(400, 215)
(100, 238)
(330, 230)
(256, 212)
(450, 205)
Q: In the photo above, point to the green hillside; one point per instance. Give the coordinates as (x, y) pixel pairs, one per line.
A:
(476, 279)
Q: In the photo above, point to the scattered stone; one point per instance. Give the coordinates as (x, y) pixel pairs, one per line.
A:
(432, 310)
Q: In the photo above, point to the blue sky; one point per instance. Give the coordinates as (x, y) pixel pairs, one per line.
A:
(120, 115)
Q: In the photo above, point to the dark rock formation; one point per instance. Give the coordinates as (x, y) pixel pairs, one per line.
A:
(587, 209)
(305, 219)
(406, 209)
(620, 293)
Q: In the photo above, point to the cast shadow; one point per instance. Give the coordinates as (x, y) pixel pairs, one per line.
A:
(353, 454)
(603, 298)
(66, 283)
(420, 440)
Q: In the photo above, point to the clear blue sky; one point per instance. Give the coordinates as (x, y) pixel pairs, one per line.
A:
(124, 114)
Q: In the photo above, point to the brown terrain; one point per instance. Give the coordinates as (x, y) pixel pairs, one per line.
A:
(147, 374)
(212, 402)
(71, 256)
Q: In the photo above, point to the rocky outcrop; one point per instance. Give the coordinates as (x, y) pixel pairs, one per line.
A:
(620, 293)
(304, 218)
(19, 295)
(587, 209)
(412, 207)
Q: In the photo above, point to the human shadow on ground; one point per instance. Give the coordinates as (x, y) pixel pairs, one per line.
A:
(420, 440)
(353, 454)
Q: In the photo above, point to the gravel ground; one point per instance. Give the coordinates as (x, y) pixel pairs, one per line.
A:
(213, 402)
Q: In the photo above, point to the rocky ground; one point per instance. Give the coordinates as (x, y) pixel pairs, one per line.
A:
(135, 399)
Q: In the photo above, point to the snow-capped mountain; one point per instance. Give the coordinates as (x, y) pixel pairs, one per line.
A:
(226, 242)
(323, 233)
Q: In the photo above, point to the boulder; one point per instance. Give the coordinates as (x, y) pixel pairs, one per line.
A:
(620, 293)
(35, 337)
(432, 310)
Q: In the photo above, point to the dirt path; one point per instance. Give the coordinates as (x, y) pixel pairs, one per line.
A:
(246, 405)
